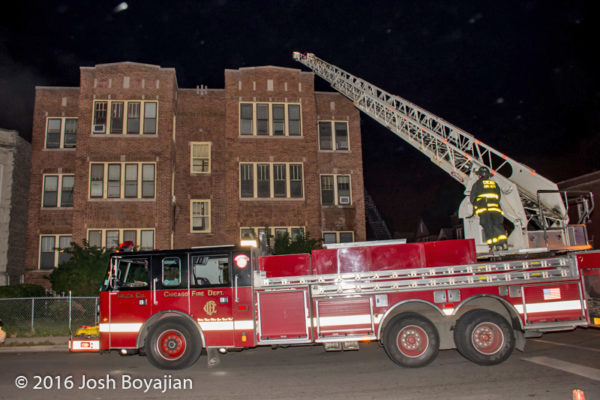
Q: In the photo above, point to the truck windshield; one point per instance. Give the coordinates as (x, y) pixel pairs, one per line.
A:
(127, 273)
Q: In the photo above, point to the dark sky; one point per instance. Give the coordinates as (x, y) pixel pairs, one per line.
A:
(522, 76)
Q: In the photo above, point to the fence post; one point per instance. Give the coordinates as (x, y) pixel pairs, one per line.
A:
(70, 310)
(32, 313)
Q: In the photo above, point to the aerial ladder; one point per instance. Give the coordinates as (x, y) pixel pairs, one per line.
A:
(536, 208)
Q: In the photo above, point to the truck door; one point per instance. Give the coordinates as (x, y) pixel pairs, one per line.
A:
(129, 299)
(170, 283)
(211, 295)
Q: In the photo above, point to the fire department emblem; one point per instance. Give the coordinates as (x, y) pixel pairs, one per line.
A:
(210, 307)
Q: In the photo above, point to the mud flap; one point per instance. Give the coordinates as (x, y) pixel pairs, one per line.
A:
(213, 357)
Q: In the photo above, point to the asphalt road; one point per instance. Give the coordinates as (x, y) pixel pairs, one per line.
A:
(550, 368)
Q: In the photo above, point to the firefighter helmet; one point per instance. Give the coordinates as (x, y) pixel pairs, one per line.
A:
(483, 172)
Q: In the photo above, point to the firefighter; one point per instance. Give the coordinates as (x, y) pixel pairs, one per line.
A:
(485, 197)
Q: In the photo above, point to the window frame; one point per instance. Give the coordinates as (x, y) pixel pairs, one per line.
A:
(289, 167)
(270, 120)
(336, 196)
(272, 229)
(59, 190)
(62, 132)
(337, 236)
(334, 137)
(125, 119)
(137, 242)
(122, 180)
(207, 215)
(56, 248)
(208, 159)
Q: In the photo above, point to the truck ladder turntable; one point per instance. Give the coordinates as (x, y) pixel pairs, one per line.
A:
(403, 280)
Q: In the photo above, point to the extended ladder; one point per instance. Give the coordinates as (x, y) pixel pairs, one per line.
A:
(452, 149)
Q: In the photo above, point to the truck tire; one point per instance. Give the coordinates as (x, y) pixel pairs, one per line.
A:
(484, 337)
(411, 340)
(172, 344)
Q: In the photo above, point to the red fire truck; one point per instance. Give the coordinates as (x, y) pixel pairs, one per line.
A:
(414, 298)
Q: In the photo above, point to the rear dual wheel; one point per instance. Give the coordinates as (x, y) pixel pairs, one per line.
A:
(484, 337)
(411, 340)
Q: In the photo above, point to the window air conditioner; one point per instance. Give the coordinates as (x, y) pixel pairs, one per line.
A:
(344, 200)
(99, 128)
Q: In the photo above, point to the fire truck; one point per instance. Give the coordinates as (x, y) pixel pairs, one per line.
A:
(413, 298)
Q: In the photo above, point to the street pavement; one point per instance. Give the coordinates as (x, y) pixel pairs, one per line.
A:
(550, 368)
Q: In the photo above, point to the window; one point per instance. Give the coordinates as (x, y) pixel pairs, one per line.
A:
(278, 128)
(338, 237)
(58, 191)
(333, 133)
(129, 117)
(114, 180)
(116, 117)
(52, 250)
(110, 238)
(147, 180)
(273, 180)
(262, 119)
(293, 232)
(171, 271)
(200, 216)
(108, 181)
(149, 118)
(200, 160)
(100, 108)
(246, 119)
(61, 133)
(131, 180)
(279, 180)
(133, 117)
(263, 180)
(97, 180)
(209, 270)
(270, 119)
(335, 190)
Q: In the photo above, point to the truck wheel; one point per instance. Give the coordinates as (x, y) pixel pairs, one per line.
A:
(171, 344)
(411, 340)
(484, 337)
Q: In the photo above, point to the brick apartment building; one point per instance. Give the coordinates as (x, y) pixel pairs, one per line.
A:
(128, 155)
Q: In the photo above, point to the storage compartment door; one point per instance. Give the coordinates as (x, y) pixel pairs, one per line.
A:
(283, 317)
(591, 284)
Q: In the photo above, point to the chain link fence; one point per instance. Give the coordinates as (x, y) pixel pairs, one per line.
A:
(47, 316)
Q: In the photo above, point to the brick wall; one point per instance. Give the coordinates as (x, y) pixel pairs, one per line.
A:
(186, 116)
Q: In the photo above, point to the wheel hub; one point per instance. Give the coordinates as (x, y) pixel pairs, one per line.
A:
(487, 338)
(412, 341)
(171, 344)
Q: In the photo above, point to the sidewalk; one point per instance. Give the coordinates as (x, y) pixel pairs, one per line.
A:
(35, 344)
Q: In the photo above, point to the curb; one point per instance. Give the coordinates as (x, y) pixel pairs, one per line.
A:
(35, 349)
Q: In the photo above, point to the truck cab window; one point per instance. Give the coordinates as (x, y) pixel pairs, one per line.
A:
(130, 273)
(209, 270)
(171, 272)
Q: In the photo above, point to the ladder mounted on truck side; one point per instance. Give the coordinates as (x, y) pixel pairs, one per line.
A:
(532, 203)
(456, 276)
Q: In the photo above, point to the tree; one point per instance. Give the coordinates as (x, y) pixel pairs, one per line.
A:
(297, 245)
(82, 274)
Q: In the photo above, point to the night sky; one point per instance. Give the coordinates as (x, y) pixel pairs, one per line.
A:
(522, 76)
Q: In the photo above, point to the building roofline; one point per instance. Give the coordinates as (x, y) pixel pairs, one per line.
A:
(58, 87)
(127, 63)
(265, 67)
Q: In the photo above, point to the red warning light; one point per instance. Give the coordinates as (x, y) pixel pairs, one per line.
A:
(241, 260)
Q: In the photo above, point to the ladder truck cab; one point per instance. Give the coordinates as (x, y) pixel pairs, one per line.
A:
(414, 298)
(536, 210)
